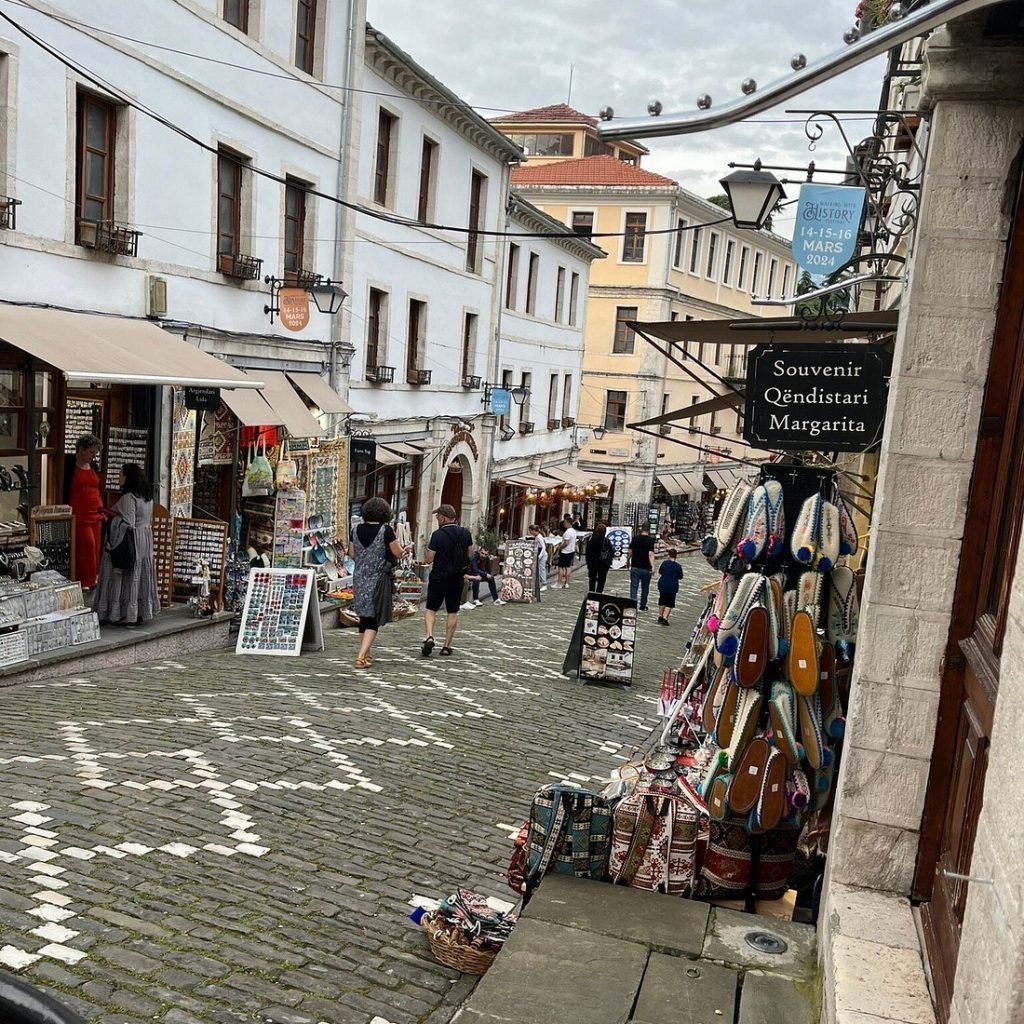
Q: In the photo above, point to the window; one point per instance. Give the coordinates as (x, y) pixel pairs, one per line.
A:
(531, 284)
(382, 171)
(559, 294)
(741, 276)
(94, 170)
(583, 222)
(773, 268)
(545, 143)
(469, 323)
(755, 277)
(229, 204)
(674, 316)
(294, 227)
(625, 338)
(414, 336)
(305, 34)
(512, 279)
(574, 296)
(627, 158)
(526, 380)
(428, 168)
(694, 399)
(615, 410)
(714, 422)
(695, 245)
(700, 351)
(236, 12)
(785, 279)
(709, 270)
(376, 328)
(477, 199)
(730, 255)
(506, 383)
(595, 147)
(567, 397)
(677, 260)
(633, 242)
(553, 400)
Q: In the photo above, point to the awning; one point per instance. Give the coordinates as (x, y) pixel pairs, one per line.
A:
(314, 387)
(688, 481)
(403, 448)
(671, 484)
(250, 408)
(389, 458)
(281, 397)
(91, 347)
(525, 479)
(571, 475)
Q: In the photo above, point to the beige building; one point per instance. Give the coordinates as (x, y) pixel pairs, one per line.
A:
(660, 267)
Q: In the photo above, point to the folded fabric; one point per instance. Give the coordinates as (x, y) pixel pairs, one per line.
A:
(848, 539)
(843, 606)
(802, 659)
(782, 714)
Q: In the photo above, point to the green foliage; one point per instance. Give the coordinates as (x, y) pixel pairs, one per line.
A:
(826, 305)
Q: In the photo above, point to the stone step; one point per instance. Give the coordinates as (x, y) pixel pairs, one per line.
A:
(772, 999)
(679, 991)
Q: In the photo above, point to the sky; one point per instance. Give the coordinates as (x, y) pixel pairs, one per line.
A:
(514, 55)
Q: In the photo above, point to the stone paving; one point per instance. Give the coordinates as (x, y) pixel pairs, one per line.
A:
(236, 839)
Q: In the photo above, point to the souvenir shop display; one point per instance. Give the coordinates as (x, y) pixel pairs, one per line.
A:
(465, 932)
(163, 557)
(200, 547)
(609, 639)
(281, 615)
(81, 417)
(124, 445)
(620, 538)
(289, 528)
(753, 717)
(52, 530)
(41, 614)
(258, 479)
(520, 583)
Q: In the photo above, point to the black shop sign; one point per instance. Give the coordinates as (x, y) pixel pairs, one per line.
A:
(205, 399)
(362, 450)
(816, 397)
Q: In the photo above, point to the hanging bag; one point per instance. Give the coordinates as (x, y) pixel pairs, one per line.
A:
(259, 477)
(286, 476)
(120, 544)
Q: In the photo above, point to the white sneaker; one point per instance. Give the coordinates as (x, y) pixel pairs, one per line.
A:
(499, 602)
(545, 587)
(476, 604)
(468, 606)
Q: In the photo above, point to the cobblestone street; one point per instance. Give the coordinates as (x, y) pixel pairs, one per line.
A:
(238, 839)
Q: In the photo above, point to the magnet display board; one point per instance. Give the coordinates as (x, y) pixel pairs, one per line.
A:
(620, 538)
(520, 582)
(124, 445)
(281, 616)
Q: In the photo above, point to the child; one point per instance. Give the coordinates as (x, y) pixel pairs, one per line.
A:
(669, 576)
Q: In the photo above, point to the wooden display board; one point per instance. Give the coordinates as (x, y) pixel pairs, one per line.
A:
(124, 445)
(198, 540)
(520, 582)
(163, 557)
(281, 615)
(54, 535)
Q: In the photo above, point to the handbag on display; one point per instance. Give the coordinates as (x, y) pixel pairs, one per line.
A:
(259, 477)
(286, 475)
(725, 872)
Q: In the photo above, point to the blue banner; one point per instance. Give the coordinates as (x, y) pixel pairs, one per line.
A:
(827, 222)
(501, 401)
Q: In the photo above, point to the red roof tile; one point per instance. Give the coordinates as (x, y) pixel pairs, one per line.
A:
(591, 170)
(557, 113)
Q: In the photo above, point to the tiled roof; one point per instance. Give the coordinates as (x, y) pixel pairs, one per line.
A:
(557, 113)
(591, 170)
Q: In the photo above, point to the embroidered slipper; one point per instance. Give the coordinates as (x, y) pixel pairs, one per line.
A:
(804, 542)
(808, 711)
(809, 594)
(833, 723)
(776, 519)
(798, 791)
(824, 778)
(713, 698)
(828, 538)
(776, 637)
(748, 775)
(782, 713)
(748, 710)
(727, 638)
(725, 723)
(790, 602)
(720, 541)
(717, 800)
(771, 801)
(802, 660)
(752, 656)
(752, 544)
(849, 541)
(843, 606)
(723, 595)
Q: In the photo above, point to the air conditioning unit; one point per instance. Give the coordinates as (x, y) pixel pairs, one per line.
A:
(156, 296)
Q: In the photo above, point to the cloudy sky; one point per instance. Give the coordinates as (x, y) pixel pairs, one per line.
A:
(516, 54)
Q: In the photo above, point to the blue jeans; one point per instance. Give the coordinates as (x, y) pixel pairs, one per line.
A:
(639, 578)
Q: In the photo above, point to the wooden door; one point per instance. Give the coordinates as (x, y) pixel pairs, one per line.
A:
(451, 490)
(970, 682)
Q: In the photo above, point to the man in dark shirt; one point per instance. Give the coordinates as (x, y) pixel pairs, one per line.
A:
(448, 555)
(641, 565)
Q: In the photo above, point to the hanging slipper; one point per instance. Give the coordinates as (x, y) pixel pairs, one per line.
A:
(848, 538)
(798, 791)
(752, 544)
(713, 698)
(776, 519)
(748, 709)
(804, 542)
(727, 638)
(808, 713)
(716, 768)
(782, 713)
(725, 722)
(809, 594)
(771, 801)
(731, 520)
(824, 779)
(717, 800)
(843, 606)
(833, 723)
(790, 601)
(723, 595)
(752, 656)
(776, 635)
(802, 660)
(828, 538)
(748, 775)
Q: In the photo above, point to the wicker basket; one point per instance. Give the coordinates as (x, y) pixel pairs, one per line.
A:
(450, 950)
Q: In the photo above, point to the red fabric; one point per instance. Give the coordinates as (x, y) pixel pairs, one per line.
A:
(86, 503)
(250, 435)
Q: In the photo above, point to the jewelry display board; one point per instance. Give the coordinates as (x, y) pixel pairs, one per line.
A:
(163, 557)
(289, 529)
(81, 416)
(338, 451)
(54, 535)
(124, 445)
(609, 640)
(195, 541)
(281, 616)
(619, 537)
(520, 583)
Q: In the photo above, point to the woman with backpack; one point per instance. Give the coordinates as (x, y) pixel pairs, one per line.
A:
(599, 557)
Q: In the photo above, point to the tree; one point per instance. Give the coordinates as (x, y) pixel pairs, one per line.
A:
(827, 305)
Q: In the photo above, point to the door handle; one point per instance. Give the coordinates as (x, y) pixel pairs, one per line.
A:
(968, 878)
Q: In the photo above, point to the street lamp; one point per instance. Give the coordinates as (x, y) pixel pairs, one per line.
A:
(519, 394)
(328, 296)
(753, 195)
(599, 433)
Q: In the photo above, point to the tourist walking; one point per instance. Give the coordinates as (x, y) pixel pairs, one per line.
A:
(128, 596)
(599, 557)
(670, 575)
(375, 550)
(448, 554)
(641, 565)
(566, 553)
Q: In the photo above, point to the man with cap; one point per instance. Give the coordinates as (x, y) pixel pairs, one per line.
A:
(448, 555)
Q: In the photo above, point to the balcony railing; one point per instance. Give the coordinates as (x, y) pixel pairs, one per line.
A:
(735, 369)
(554, 424)
(526, 428)
(302, 278)
(471, 382)
(9, 213)
(380, 374)
(108, 236)
(237, 264)
(417, 377)
(665, 429)
(568, 421)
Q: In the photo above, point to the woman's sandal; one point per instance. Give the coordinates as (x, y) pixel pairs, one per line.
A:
(363, 662)
(446, 652)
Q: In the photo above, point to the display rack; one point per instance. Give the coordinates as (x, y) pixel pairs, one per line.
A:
(163, 557)
(289, 528)
(196, 541)
(81, 416)
(54, 534)
(124, 445)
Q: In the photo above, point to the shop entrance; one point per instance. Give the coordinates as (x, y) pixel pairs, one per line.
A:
(451, 490)
(970, 682)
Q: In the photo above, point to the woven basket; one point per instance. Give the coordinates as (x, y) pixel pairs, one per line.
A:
(450, 950)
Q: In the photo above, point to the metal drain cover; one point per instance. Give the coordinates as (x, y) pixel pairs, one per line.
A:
(764, 942)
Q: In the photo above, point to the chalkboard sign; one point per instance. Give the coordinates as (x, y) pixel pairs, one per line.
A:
(124, 445)
(281, 614)
(81, 417)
